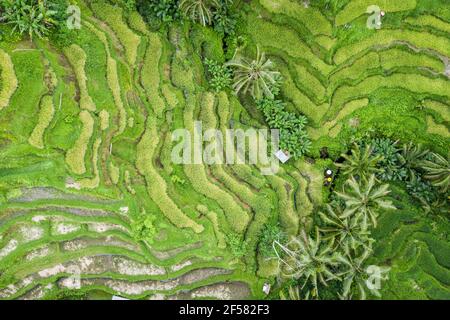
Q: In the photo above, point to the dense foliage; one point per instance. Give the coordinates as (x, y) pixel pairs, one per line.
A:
(31, 17)
(219, 75)
(220, 14)
(293, 136)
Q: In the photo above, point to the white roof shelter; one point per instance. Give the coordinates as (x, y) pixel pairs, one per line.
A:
(283, 157)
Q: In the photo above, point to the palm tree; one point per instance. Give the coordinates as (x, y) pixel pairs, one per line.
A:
(304, 257)
(411, 157)
(347, 232)
(254, 76)
(361, 163)
(437, 171)
(363, 200)
(293, 294)
(358, 274)
(436, 206)
(199, 10)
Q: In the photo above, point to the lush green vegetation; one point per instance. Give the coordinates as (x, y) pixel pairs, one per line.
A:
(88, 187)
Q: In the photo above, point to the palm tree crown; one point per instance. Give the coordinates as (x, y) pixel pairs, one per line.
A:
(347, 232)
(254, 76)
(361, 163)
(199, 10)
(304, 257)
(438, 171)
(364, 199)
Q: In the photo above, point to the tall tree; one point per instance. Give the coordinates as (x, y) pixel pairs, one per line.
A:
(364, 199)
(349, 232)
(356, 273)
(307, 258)
(254, 76)
(200, 11)
(361, 163)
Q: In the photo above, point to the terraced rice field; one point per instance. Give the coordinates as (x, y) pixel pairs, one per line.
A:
(85, 144)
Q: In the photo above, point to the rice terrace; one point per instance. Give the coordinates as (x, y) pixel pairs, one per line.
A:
(100, 198)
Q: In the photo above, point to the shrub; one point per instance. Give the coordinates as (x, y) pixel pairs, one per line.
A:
(389, 162)
(293, 136)
(270, 233)
(237, 244)
(219, 75)
(61, 36)
(34, 17)
(421, 189)
(224, 18)
(143, 228)
(157, 11)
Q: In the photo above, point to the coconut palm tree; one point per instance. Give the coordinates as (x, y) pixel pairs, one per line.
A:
(364, 199)
(307, 258)
(254, 76)
(293, 294)
(349, 233)
(411, 156)
(437, 171)
(200, 11)
(361, 163)
(357, 274)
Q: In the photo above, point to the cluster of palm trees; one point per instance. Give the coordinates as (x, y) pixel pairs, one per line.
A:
(342, 242)
(418, 164)
(342, 245)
